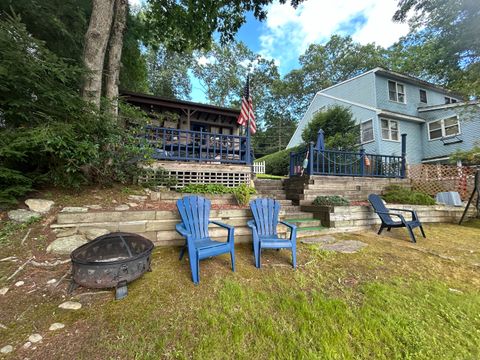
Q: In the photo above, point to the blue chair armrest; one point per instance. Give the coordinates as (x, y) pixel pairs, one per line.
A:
(218, 223)
(293, 229)
(181, 230)
(251, 224)
(291, 226)
(413, 212)
(390, 213)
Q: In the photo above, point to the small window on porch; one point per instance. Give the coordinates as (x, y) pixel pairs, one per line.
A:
(366, 131)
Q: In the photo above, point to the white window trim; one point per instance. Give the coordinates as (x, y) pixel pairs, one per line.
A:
(396, 90)
(451, 98)
(420, 98)
(390, 130)
(361, 132)
(442, 127)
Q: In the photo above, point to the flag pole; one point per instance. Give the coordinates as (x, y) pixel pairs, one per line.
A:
(248, 155)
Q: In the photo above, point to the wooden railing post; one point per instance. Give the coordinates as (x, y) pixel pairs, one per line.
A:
(292, 164)
(362, 162)
(404, 156)
(310, 158)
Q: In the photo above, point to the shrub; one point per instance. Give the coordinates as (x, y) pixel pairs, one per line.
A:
(242, 192)
(400, 195)
(48, 133)
(333, 200)
(278, 163)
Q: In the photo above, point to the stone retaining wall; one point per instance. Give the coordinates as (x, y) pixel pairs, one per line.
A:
(350, 218)
(158, 226)
(304, 189)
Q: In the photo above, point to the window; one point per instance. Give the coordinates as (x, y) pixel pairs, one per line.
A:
(449, 100)
(396, 91)
(423, 96)
(389, 129)
(443, 128)
(366, 131)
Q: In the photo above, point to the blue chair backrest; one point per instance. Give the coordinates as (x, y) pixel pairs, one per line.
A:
(265, 213)
(378, 205)
(195, 212)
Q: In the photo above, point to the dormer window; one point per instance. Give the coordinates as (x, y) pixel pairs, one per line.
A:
(423, 96)
(396, 92)
(449, 100)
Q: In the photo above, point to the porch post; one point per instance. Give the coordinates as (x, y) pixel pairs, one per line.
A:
(292, 166)
(310, 158)
(404, 156)
(362, 162)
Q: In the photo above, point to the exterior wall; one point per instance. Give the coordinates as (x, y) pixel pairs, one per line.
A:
(414, 141)
(360, 90)
(412, 96)
(360, 114)
(469, 119)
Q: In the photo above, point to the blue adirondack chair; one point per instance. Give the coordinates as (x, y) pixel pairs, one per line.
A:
(386, 216)
(195, 212)
(264, 229)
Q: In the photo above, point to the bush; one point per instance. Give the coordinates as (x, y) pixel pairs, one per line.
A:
(242, 192)
(400, 195)
(333, 200)
(48, 133)
(278, 163)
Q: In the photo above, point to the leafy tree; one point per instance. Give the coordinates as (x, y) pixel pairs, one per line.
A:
(61, 24)
(325, 65)
(446, 33)
(168, 73)
(48, 134)
(340, 129)
(178, 25)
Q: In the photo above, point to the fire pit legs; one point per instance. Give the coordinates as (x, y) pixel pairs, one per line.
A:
(121, 290)
(72, 287)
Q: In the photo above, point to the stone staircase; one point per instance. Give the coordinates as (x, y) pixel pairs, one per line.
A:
(303, 190)
(305, 221)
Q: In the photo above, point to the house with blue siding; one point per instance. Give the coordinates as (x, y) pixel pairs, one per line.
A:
(386, 104)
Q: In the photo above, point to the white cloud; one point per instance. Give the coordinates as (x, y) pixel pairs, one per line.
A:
(288, 31)
(135, 3)
(203, 60)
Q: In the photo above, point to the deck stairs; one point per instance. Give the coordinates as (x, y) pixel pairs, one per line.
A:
(307, 225)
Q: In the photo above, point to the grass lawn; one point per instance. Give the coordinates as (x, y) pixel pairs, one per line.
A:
(392, 300)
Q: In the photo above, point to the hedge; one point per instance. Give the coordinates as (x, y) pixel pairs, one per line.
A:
(278, 163)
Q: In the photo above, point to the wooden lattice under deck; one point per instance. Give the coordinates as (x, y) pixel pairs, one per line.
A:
(200, 173)
(433, 178)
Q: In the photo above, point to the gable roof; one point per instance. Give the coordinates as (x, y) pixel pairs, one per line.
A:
(401, 77)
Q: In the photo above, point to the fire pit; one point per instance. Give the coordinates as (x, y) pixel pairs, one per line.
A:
(111, 260)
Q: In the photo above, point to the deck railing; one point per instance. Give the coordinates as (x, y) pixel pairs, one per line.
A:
(346, 163)
(186, 145)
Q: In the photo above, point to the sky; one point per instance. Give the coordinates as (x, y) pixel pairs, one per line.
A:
(287, 32)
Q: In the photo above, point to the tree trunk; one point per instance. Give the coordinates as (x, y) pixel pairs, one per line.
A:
(115, 54)
(96, 40)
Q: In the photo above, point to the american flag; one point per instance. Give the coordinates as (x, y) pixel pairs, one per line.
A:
(246, 112)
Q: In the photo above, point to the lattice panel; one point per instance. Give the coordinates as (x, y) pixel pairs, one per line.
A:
(184, 178)
(433, 178)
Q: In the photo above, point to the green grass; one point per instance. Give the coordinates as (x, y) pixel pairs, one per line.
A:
(392, 300)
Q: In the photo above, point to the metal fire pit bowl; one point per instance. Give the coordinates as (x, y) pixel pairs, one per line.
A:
(111, 260)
